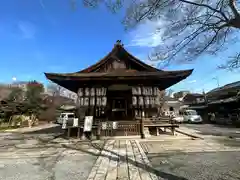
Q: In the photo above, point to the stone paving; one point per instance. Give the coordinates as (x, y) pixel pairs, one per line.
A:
(182, 145)
(122, 160)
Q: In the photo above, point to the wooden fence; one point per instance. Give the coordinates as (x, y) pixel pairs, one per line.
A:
(120, 128)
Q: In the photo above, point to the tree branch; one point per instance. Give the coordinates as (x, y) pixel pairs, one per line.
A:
(206, 6)
(232, 6)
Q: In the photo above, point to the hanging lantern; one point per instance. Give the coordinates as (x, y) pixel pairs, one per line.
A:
(144, 91)
(98, 91)
(82, 101)
(134, 91)
(103, 91)
(104, 101)
(80, 92)
(150, 91)
(155, 91)
(140, 101)
(136, 113)
(92, 92)
(134, 100)
(146, 100)
(87, 93)
(86, 101)
(152, 101)
(98, 101)
(139, 90)
(78, 101)
(92, 101)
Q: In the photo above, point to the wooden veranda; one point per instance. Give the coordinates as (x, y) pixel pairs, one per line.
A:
(123, 128)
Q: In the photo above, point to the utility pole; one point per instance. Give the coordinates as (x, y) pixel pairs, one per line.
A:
(216, 78)
(205, 98)
(206, 103)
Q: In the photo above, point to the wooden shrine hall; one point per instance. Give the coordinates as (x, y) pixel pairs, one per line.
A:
(120, 92)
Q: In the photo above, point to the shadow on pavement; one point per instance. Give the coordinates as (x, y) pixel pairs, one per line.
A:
(50, 130)
(118, 158)
(229, 142)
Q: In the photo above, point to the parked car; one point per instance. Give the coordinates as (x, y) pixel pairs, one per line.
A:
(69, 117)
(190, 116)
(178, 119)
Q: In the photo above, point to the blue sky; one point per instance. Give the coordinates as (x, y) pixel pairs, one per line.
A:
(39, 36)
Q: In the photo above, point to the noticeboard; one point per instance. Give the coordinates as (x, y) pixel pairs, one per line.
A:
(88, 121)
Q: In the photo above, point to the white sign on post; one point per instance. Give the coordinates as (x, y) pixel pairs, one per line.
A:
(115, 125)
(88, 121)
(64, 123)
(75, 122)
(104, 125)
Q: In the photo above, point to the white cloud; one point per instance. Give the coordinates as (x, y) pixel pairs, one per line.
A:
(193, 81)
(146, 35)
(145, 59)
(14, 78)
(27, 29)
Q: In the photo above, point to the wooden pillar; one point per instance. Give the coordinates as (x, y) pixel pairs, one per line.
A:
(69, 132)
(78, 132)
(172, 130)
(142, 125)
(99, 130)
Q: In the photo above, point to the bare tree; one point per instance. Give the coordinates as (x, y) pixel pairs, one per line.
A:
(55, 89)
(162, 100)
(189, 28)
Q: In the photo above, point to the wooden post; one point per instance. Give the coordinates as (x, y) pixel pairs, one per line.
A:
(172, 130)
(99, 130)
(78, 133)
(69, 132)
(142, 125)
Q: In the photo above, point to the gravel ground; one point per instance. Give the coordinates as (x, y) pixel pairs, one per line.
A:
(215, 130)
(197, 166)
(25, 157)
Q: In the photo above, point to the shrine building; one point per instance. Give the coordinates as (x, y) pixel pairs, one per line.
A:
(119, 87)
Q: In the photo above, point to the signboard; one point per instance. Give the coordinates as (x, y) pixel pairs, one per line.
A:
(114, 125)
(75, 122)
(64, 123)
(88, 121)
(104, 125)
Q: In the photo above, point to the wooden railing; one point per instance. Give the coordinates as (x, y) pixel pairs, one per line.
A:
(122, 128)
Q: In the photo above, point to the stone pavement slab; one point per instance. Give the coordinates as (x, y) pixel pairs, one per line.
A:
(32, 129)
(122, 160)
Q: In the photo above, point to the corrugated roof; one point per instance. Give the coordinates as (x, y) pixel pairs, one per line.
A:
(226, 87)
